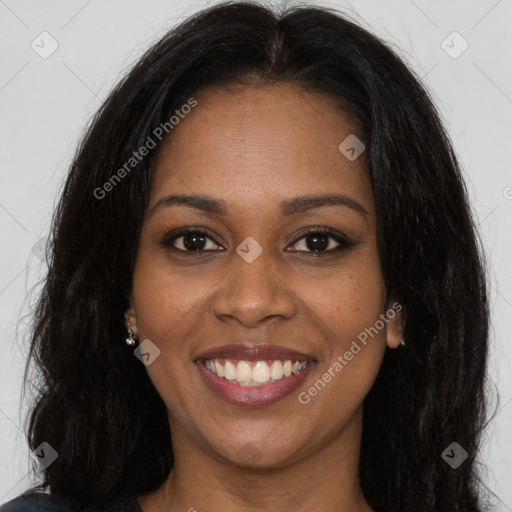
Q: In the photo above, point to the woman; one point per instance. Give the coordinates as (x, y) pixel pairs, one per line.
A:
(266, 290)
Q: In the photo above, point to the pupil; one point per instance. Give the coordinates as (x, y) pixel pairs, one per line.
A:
(318, 242)
(192, 240)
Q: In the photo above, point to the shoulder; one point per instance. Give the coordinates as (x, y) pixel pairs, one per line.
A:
(33, 501)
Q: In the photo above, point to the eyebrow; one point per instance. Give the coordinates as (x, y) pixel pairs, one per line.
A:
(288, 207)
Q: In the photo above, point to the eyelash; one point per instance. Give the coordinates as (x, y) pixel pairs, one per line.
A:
(344, 242)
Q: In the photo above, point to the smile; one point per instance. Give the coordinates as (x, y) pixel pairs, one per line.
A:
(254, 373)
(248, 374)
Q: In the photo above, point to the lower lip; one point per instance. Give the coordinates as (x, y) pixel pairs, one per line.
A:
(253, 395)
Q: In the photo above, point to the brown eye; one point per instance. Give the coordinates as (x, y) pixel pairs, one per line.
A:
(321, 241)
(190, 241)
(318, 242)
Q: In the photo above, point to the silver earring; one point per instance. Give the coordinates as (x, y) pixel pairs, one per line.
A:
(130, 339)
(402, 342)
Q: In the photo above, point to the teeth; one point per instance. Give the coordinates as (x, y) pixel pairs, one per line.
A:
(229, 371)
(243, 371)
(261, 372)
(256, 373)
(219, 368)
(276, 370)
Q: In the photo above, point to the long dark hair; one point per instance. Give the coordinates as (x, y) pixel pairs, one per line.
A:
(97, 407)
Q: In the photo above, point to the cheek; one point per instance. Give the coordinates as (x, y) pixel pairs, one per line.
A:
(347, 307)
(165, 299)
(167, 304)
(347, 300)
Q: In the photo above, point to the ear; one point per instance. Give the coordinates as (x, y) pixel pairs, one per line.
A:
(395, 324)
(130, 317)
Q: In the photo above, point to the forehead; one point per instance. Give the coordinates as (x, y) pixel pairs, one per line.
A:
(259, 143)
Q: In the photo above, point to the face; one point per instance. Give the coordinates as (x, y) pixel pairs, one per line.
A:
(261, 269)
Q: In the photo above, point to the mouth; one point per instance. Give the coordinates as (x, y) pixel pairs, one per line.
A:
(253, 374)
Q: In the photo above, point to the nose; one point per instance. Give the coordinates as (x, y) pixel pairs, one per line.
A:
(253, 293)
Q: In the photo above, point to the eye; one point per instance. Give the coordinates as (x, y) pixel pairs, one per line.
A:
(317, 241)
(190, 240)
(322, 240)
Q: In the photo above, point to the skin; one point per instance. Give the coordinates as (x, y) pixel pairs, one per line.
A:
(254, 146)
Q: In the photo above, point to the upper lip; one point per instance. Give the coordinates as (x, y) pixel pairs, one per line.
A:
(253, 352)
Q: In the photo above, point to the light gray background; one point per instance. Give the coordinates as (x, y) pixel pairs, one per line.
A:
(45, 104)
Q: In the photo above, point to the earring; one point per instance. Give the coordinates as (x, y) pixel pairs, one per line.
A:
(402, 342)
(130, 339)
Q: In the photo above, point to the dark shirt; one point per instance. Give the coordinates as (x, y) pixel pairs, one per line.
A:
(32, 501)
